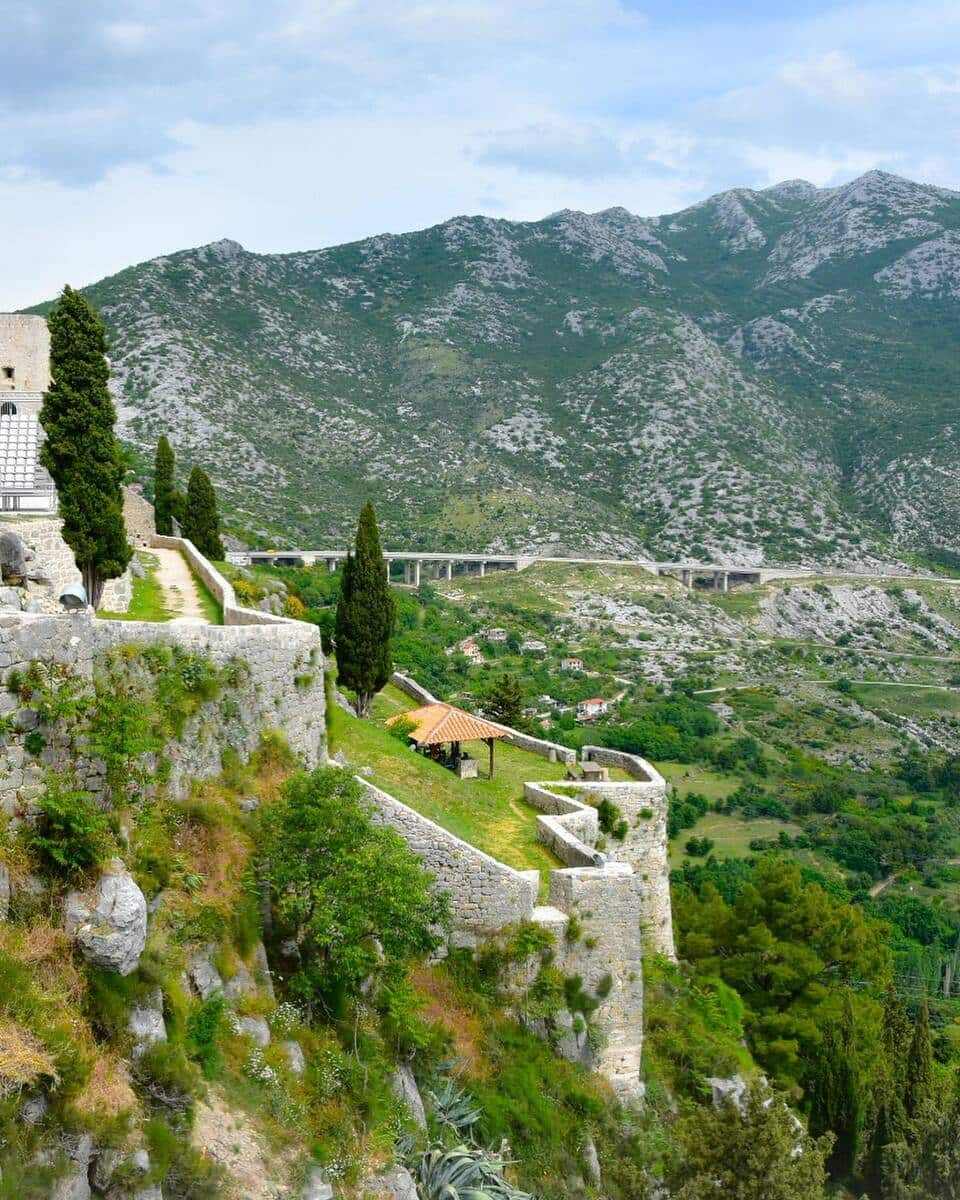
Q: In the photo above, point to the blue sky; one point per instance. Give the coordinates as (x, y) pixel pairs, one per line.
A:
(292, 124)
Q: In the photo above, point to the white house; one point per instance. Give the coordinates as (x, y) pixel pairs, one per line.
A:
(532, 646)
(471, 650)
(571, 664)
(493, 635)
(588, 709)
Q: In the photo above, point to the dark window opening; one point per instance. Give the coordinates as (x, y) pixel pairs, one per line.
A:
(8, 409)
(8, 372)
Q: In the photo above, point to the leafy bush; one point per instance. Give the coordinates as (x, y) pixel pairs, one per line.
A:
(699, 847)
(70, 834)
(350, 892)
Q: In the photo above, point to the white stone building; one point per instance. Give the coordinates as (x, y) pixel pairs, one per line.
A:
(25, 487)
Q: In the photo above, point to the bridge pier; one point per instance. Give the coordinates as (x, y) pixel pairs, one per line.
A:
(416, 572)
(331, 565)
(686, 577)
(483, 569)
(721, 581)
(448, 569)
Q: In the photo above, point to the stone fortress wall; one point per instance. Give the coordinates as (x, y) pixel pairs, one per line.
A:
(283, 688)
(620, 902)
(53, 558)
(24, 350)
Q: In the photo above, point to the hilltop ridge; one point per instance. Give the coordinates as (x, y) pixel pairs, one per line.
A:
(765, 375)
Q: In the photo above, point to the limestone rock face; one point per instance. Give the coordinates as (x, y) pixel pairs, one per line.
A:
(395, 1184)
(257, 1029)
(204, 975)
(111, 926)
(316, 1187)
(732, 1090)
(146, 1022)
(404, 1087)
(295, 1057)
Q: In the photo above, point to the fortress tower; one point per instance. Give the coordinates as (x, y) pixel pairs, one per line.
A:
(24, 376)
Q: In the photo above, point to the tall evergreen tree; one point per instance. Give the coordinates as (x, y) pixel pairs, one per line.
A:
(837, 1104)
(888, 1118)
(504, 702)
(201, 520)
(164, 491)
(81, 450)
(366, 615)
(919, 1072)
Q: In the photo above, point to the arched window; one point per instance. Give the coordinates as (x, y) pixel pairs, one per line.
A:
(8, 409)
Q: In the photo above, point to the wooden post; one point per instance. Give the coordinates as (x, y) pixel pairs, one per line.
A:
(490, 744)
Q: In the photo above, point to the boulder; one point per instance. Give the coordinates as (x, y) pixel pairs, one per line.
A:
(395, 1184)
(13, 559)
(110, 926)
(295, 1057)
(591, 1162)
(10, 598)
(404, 1087)
(728, 1091)
(240, 984)
(316, 1186)
(257, 1029)
(75, 1185)
(146, 1022)
(204, 975)
(34, 1109)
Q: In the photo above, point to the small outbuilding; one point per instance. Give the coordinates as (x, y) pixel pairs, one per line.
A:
(439, 730)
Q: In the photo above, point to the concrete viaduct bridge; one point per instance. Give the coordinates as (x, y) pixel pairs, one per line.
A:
(417, 564)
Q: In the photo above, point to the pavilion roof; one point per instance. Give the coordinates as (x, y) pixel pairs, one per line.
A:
(436, 723)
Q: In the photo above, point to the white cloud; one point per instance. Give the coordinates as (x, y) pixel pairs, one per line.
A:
(296, 124)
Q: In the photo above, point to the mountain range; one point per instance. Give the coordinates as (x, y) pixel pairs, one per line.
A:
(766, 376)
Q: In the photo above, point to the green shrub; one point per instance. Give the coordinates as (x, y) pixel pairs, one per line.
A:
(699, 847)
(71, 834)
(204, 1027)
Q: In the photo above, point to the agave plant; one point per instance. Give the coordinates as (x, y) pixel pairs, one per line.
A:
(463, 1174)
(454, 1108)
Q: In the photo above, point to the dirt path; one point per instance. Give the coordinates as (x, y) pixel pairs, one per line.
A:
(180, 593)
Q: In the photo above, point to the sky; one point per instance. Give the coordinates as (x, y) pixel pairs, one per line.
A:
(132, 131)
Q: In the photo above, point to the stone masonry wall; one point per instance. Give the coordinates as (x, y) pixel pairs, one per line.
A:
(25, 346)
(53, 558)
(486, 895)
(284, 690)
(643, 802)
(24, 638)
(569, 828)
(606, 902)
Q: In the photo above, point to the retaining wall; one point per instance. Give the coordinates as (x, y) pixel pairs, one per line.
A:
(643, 803)
(569, 828)
(485, 895)
(53, 559)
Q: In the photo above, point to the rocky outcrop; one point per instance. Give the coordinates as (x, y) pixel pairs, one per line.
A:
(110, 926)
(395, 1184)
(13, 559)
(146, 1023)
(404, 1087)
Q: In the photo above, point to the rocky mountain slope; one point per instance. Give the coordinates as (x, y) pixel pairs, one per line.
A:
(766, 375)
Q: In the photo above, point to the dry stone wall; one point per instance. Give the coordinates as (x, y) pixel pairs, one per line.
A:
(53, 559)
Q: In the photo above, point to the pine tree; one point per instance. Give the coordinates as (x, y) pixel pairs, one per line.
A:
(164, 492)
(365, 617)
(919, 1072)
(81, 450)
(201, 521)
(888, 1122)
(504, 702)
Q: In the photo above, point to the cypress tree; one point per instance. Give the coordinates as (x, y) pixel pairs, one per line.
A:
(889, 1119)
(81, 450)
(365, 616)
(837, 1106)
(164, 493)
(919, 1073)
(201, 521)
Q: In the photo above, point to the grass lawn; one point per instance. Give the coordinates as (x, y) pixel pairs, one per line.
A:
(212, 609)
(489, 813)
(690, 777)
(731, 834)
(146, 603)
